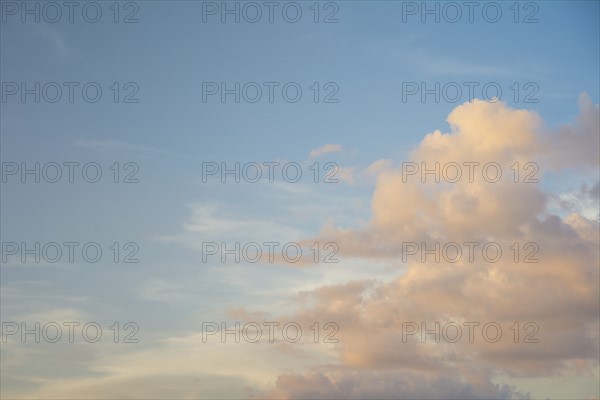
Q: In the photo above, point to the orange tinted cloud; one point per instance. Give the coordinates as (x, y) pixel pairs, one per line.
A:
(559, 293)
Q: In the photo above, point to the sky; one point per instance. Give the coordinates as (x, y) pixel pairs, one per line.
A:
(345, 199)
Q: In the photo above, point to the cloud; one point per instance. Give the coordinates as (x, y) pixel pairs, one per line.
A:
(347, 175)
(576, 145)
(55, 40)
(440, 65)
(116, 145)
(210, 222)
(558, 294)
(325, 149)
(406, 209)
(583, 201)
(356, 384)
(179, 366)
(378, 167)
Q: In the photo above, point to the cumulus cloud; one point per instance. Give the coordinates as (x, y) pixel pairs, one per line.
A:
(406, 209)
(576, 145)
(556, 292)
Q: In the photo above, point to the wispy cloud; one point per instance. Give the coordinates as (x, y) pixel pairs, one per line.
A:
(325, 149)
(55, 40)
(116, 145)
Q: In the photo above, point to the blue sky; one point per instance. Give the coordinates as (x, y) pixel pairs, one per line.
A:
(170, 132)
